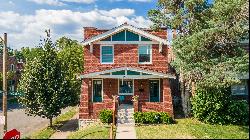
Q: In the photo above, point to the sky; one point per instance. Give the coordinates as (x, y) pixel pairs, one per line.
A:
(25, 21)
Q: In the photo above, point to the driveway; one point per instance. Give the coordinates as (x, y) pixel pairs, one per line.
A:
(25, 124)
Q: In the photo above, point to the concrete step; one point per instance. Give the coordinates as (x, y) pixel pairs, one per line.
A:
(125, 121)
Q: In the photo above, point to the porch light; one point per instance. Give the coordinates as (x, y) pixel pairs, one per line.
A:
(110, 84)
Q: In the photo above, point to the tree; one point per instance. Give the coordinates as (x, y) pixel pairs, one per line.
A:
(44, 83)
(70, 53)
(207, 49)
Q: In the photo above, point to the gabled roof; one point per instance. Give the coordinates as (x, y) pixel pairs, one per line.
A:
(143, 74)
(122, 27)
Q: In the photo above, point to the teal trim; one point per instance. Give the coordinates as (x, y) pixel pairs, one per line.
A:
(129, 72)
(154, 90)
(119, 36)
(145, 39)
(132, 36)
(107, 39)
(97, 90)
(119, 72)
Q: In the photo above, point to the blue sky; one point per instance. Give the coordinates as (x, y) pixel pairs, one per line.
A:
(26, 20)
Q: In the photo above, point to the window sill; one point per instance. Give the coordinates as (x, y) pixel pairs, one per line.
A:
(107, 63)
(147, 63)
(125, 94)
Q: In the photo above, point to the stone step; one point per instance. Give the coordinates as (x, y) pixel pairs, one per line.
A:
(125, 121)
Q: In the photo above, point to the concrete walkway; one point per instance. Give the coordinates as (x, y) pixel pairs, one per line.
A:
(124, 131)
(66, 129)
(125, 122)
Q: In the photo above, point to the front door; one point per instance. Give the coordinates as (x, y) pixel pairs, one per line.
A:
(126, 90)
(154, 89)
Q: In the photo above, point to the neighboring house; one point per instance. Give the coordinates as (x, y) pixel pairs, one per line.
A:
(125, 61)
(14, 66)
(241, 91)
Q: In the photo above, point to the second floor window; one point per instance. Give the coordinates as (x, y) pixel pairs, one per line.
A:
(107, 54)
(145, 54)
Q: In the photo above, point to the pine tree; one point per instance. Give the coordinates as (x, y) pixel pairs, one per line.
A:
(207, 49)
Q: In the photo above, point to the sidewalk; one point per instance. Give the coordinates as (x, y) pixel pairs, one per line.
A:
(66, 129)
(125, 131)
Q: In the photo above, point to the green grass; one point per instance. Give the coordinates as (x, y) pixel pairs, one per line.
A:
(93, 131)
(47, 132)
(191, 129)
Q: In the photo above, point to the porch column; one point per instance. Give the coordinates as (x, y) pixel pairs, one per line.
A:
(84, 98)
(167, 98)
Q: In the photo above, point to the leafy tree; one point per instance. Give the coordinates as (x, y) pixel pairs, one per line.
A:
(27, 53)
(44, 83)
(207, 49)
(70, 53)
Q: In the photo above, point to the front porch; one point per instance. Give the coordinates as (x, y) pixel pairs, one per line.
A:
(152, 88)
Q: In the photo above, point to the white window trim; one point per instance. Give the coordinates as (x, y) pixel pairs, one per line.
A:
(12, 66)
(159, 88)
(243, 83)
(101, 54)
(93, 90)
(126, 93)
(150, 55)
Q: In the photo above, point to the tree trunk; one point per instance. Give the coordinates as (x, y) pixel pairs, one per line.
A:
(50, 122)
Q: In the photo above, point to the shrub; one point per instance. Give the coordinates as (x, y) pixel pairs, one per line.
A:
(216, 106)
(238, 112)
(106, 116)
(152, 118)
(166, 119)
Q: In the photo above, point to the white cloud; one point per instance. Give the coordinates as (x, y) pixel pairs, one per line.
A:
(49, 2)
(80, 1)
(26, 30)
(61, 2)
(11, 2)
(118, 12)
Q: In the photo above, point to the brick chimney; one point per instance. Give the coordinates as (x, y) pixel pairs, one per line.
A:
(88, 32)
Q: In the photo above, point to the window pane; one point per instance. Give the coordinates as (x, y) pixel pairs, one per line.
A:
(107, 54)
(238, 90)
(144, 50)
(126, 87)
(129, 72)
(144, 53)
(145, 39)
(107, 58)
(119, 72)
(97, 91)
(119, 36)
(107, 50)
(132, 36)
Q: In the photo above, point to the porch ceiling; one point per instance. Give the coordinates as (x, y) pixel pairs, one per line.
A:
(127, 73)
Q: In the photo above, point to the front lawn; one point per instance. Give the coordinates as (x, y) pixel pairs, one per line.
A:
(191, 129)
(93, 131)
(47, 132)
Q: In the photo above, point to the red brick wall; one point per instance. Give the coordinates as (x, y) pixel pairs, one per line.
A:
(90, 110)
(125, 55)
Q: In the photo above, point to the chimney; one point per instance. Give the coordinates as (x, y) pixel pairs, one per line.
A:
(88, 32)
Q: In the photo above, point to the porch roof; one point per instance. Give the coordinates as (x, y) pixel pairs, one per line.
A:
(127, 73)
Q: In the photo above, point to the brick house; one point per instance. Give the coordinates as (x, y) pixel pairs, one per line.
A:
(125, 61)
(15, 66)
